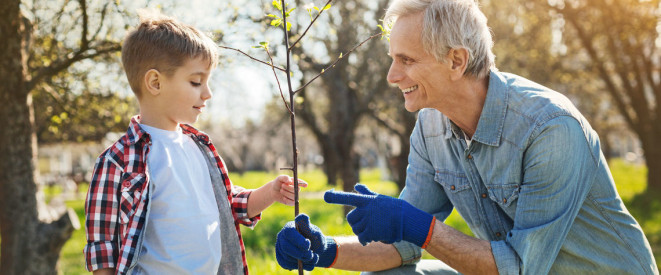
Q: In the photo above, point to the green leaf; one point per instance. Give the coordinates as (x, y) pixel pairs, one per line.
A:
(257, 47)
(272, 15)
(316, 8)
(276, 4)
(340, 55)
(327, 7)
(289, 11)
(288, 26)
(276, 22)
(264, 43)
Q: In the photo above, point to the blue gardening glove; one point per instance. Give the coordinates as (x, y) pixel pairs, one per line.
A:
(310, 245)
(383, 218)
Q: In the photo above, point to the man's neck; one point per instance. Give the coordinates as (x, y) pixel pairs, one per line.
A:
(466, 106)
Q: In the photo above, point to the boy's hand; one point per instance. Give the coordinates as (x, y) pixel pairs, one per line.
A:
(282, 189)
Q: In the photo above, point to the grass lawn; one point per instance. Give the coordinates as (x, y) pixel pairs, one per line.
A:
(260, 242)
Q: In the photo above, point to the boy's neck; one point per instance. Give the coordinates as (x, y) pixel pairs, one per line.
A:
(159, 122)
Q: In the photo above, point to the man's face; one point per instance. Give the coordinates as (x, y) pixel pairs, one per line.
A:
(422, 79)
(185, 92)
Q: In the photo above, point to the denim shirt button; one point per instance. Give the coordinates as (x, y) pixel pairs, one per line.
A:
(470, 156)
(452, 187)
(504, 200)
(498, 234)
(484, 195)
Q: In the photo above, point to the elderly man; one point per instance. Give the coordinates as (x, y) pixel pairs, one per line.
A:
(517, 160)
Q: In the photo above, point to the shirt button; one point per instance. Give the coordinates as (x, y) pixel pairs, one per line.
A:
(504, 200)
(484, 195)
(452, 187)
(470, 156)
(498, 234)
(126, 184)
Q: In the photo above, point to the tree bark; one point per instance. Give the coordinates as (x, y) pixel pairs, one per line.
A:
(28, 246)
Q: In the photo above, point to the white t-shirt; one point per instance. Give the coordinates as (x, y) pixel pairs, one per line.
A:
(183, 226)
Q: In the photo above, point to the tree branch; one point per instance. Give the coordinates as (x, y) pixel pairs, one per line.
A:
(610, 85)
(308, 28)
(255, 59)
(282, 95)
(63, 64)
(335, 62)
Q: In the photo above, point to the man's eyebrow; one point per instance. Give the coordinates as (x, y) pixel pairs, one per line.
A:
(198, 73)
(402, 56)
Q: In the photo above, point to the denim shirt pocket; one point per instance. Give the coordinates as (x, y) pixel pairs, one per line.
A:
(452, 182)
(503, 194)
(130, 194)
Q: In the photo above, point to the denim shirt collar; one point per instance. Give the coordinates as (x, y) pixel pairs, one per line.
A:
(490, 126)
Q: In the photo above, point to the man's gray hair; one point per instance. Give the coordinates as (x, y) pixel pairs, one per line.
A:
(450, 24)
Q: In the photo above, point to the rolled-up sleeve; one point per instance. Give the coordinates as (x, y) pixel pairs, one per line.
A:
(240, 197)
(506, 259)
(101, 214)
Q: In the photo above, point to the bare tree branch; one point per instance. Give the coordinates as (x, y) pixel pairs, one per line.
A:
(282, 95)
(308, 28)
(255, 59)
(335, 62)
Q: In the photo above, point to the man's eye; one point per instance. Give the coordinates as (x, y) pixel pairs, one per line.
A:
(196, 84)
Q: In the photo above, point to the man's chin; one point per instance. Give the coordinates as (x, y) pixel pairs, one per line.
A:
(411, 109)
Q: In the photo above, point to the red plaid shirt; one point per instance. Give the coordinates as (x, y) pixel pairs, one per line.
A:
(118, 200)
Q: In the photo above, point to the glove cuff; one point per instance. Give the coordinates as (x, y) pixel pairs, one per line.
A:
(327, 258)
(417, 226)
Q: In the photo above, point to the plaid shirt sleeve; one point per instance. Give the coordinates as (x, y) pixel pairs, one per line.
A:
(101, 210)
(240, 197)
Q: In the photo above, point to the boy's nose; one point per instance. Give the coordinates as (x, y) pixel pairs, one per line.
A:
(207, 94)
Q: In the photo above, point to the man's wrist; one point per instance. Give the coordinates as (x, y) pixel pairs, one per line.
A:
(329, 255)
(418, 226)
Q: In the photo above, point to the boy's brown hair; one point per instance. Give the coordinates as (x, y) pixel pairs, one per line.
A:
(163, 43)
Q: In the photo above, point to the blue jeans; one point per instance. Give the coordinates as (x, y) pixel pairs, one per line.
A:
(424, 267)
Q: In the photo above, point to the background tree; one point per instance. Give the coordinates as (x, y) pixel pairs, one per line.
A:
(333, 108)
(604, 55)
(621, 42)
(36, 47)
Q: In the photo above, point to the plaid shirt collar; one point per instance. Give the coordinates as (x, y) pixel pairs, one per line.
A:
(135, 133)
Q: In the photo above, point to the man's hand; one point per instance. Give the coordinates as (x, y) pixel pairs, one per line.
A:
(383, 218)
(282, 189)
(310, 245)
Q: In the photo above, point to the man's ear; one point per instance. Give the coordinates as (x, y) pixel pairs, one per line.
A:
(458, 59)
(153, 80)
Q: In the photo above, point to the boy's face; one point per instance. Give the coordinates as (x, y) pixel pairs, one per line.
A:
(182, 95)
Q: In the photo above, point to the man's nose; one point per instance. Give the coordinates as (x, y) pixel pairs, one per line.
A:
(394, 74)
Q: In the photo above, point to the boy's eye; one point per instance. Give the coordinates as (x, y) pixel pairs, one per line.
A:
(196, 84)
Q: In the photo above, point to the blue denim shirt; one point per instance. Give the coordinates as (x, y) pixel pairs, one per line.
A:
(533, 181)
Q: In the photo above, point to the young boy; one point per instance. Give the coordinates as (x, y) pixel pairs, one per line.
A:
(160, 200)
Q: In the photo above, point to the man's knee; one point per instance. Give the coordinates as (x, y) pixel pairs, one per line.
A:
(424, 267)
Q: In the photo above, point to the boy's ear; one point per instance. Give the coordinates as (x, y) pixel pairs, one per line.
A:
(153, 80)
(458, 59)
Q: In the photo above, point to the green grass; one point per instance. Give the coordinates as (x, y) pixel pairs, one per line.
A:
(260, 242)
